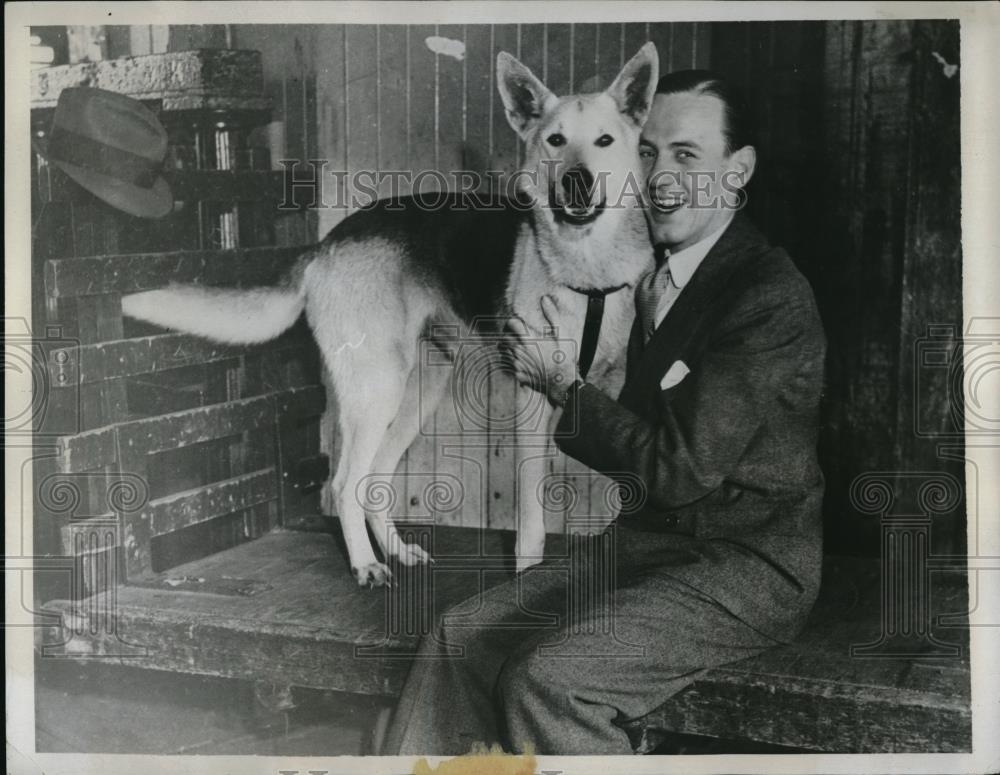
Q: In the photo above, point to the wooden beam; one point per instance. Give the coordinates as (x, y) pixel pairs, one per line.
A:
(98, 448)
(185, 185)
(819, 715)
(95, 363)
(181, 79)
(194, 426)
(87, 451)
(182, 509)
(129, 273)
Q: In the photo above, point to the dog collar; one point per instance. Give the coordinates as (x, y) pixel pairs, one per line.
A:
(592, 326)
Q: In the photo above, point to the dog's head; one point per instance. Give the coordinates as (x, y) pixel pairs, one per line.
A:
(581, 152)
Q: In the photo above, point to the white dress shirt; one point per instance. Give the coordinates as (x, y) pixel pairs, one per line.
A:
(682, 266)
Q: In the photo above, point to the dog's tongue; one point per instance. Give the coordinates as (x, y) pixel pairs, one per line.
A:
(578, 196)
(579, 212)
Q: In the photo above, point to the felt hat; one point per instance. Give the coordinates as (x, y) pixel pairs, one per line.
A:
(113, 146)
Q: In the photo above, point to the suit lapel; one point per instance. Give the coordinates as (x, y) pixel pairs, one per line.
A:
(736, 244)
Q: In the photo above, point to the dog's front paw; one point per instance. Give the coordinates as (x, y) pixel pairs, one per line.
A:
(375, 574)
(412, 554)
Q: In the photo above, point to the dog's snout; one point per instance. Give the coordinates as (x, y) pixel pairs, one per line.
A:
(578, 185)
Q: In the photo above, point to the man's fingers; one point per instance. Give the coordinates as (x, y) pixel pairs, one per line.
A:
(514, 357)
(550, 309)
(510, 347)
(517, 326)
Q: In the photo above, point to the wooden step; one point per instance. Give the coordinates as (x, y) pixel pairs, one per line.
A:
(99, 448)
(92, 363)
(175, 511)
(130, 273)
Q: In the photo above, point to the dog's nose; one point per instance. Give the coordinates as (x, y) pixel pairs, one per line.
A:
(578, 185)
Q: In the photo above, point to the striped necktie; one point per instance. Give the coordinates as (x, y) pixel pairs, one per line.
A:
(650, 291)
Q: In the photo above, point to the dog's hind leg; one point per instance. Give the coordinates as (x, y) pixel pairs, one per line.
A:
(370, 387)
(424, 390)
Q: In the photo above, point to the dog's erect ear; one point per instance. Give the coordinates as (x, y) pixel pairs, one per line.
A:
(635, 85)
(524, 97)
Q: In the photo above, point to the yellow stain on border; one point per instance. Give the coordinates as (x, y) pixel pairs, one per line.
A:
(488, 762)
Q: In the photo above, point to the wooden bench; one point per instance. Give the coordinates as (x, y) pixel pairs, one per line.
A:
(283, 611)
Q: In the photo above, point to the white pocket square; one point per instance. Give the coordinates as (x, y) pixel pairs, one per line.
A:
(674, 374)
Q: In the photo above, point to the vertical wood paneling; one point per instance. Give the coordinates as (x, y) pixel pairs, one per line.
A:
(703, 46)
(393, 83)
(392, 139)
(559, 57)
(609, 44)
(504, 141)
(867, 208)
(363, 117)
(635, 37)
(502, 464)
(584, 58)
(932, 282)
(449, 465)
(332, 139)
(531, 51)
(290, 59)
(662, 36)
(422, 145)
(846, 134)
(451, 106)
(482, 102)
(682, 46)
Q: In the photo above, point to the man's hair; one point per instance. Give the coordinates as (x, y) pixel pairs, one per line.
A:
(739, 129)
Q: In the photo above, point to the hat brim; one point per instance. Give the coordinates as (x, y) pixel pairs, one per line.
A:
(154, 202)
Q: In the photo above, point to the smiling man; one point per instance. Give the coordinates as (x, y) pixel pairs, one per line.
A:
(717, 557)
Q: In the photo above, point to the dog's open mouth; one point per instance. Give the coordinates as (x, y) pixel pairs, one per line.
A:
(578, 215)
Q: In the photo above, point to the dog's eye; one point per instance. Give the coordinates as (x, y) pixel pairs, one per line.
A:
(604, 141)
(555, 140)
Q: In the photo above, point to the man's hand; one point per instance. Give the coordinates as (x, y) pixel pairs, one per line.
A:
(538, 359)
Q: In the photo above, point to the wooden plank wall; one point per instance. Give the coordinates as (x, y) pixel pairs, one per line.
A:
(378, 98)
(858, 178)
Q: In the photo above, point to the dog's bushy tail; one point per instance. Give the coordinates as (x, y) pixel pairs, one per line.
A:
(229, 315)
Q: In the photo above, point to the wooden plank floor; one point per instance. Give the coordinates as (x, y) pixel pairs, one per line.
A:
(284, 609)
(88, 708)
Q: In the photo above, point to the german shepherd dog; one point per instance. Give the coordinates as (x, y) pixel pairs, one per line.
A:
(389, 273)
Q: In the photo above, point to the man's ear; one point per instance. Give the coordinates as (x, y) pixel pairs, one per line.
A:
(742, 163)
(635, 85)
(525, 98)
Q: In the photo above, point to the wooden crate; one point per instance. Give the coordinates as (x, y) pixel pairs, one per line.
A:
(166, 447)
(205, 432)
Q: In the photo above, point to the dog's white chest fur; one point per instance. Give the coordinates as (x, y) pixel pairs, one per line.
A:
(615, 264)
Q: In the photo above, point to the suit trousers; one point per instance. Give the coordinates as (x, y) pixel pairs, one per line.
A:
(550, 661)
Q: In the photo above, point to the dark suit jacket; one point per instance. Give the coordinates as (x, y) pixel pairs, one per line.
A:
(728, 455)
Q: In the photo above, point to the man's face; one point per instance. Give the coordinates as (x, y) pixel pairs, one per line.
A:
(691, 181)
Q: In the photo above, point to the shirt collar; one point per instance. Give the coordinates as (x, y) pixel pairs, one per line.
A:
(684, 262)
